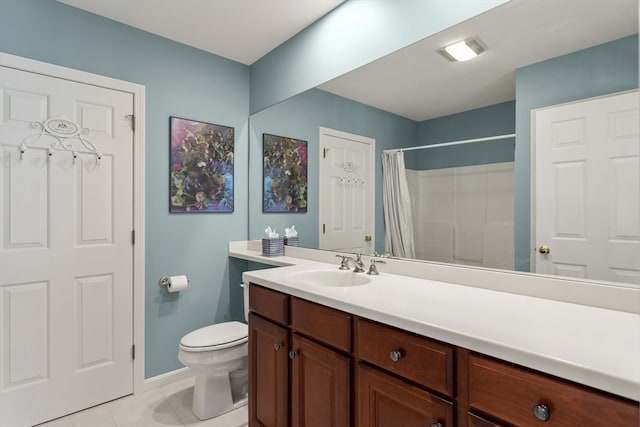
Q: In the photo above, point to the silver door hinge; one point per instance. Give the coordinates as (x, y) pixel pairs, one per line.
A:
(132, 117)
(133, 352)
(133, 237)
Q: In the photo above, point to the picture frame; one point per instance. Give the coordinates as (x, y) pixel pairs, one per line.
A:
(201, 167)
(285, 162)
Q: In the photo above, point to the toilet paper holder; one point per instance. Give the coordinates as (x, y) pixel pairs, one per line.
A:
(165, 281)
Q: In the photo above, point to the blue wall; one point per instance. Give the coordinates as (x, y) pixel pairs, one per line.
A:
(499, 119)
(354, 34)
(179, 81)
(607, 68)
(299, 117)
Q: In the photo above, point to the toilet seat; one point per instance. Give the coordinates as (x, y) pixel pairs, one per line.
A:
(215, 337)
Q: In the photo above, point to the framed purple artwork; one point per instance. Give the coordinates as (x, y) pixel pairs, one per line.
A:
(201, 167)
(284, 174)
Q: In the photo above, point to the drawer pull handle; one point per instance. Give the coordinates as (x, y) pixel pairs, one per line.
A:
(541, 412)
(437, 425)
(292, 354)
(277, 346)
(395, 355)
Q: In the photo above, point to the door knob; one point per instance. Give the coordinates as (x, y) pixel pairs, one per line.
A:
(367, 238)
(544, 250)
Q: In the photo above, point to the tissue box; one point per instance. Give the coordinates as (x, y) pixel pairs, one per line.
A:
(292, 241)
(273, 247)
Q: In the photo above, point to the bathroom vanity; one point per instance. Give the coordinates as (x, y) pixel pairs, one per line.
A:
(397, 350)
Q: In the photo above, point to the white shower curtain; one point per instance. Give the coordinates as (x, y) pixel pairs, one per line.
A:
(396, 203)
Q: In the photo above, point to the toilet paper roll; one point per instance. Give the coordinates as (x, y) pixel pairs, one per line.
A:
(177, 283)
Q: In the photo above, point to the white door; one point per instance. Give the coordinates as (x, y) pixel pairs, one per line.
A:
(588, 189)
(65, 247)
(347, 186)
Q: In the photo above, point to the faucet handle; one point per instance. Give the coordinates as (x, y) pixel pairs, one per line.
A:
(373, 270)
(344, 263)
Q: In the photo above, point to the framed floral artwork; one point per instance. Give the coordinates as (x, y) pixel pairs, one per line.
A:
(201, 166)
(284, 174)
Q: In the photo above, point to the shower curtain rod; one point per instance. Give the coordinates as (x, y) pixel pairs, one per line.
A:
(446, 144)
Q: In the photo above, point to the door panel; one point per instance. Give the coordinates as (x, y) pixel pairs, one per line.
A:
(346, 192)
(587, 187)
(65, 250)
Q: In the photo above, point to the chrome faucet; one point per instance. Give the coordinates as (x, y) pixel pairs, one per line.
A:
(357, 263)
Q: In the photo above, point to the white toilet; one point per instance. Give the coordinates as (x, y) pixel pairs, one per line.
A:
(218, 353)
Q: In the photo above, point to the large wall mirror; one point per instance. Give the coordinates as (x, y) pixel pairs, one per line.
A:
(539, 54)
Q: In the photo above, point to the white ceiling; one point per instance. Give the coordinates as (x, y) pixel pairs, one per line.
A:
(240, 30)
(414, 82)
(417, 83)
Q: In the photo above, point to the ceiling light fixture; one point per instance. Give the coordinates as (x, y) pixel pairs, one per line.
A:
(463, 50)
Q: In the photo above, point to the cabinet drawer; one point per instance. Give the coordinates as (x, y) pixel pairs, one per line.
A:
(268, 303)
(416, 358)
(513, 394)
(332, 327)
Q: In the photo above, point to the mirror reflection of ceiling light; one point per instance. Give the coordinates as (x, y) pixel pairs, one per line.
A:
(463, 50)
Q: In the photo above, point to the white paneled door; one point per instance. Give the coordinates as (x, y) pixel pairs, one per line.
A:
(587, 187)
(65, 246)
(347, 185)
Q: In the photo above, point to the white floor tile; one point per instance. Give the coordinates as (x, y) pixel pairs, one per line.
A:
(235, 418)
(167, 406)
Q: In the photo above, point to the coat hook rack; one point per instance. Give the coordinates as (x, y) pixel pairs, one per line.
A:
(64, 132)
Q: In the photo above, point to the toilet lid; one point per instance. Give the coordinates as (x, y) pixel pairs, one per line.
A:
(219, 335)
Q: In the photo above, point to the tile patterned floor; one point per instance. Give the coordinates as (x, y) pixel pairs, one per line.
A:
(169, 405)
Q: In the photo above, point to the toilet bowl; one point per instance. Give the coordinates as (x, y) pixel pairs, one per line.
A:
(218, 354)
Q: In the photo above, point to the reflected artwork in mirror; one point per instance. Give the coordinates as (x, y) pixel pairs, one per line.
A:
(284, 174)
(413, 98)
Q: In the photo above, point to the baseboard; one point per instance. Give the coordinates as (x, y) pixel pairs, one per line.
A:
(167, 378)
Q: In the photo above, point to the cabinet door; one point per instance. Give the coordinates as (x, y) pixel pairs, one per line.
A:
(319, 385)
(476, 421)
(268, 374)
(384, 401)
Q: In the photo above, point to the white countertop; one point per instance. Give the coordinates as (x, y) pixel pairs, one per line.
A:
(594, 346)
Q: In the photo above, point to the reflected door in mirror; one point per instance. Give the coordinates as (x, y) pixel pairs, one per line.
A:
(346, 192)
(588, 189)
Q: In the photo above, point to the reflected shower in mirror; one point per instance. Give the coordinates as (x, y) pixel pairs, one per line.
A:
(414, 97)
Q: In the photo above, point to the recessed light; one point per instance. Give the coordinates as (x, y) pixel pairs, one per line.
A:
(463, 50)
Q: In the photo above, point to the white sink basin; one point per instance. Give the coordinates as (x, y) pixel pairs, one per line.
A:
(337, 278)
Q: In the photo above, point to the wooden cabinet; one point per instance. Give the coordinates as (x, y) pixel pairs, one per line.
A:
(385, 401)
(518, 396)
(303, 356)
(474, 420)
(416, 358)
(297, 374)
(269, 373)
(320, 386)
